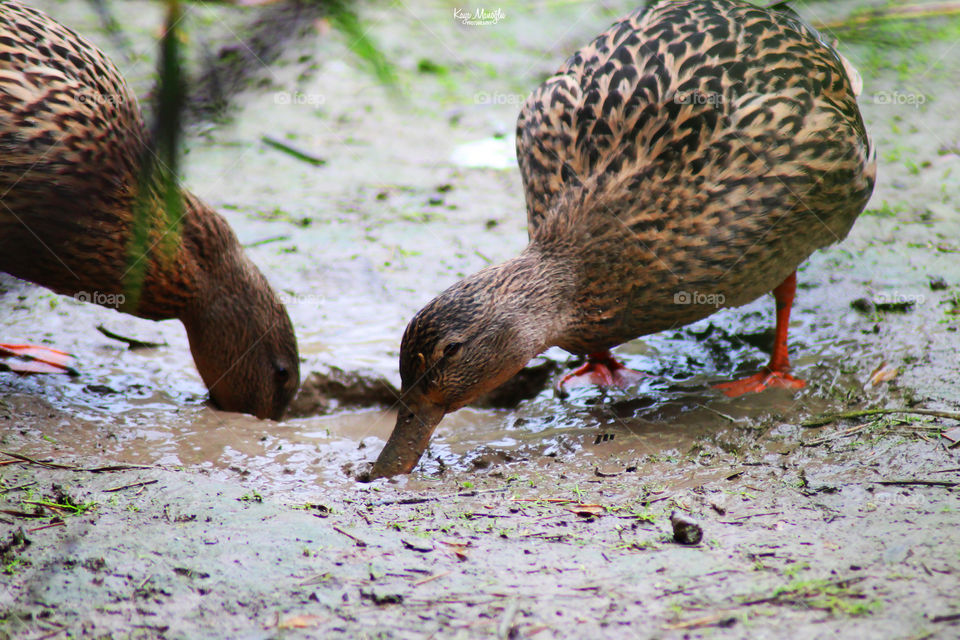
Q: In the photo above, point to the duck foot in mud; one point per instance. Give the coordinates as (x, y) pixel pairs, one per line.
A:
(29, 358)
(764, 379)
(775, 373)
(602, 370)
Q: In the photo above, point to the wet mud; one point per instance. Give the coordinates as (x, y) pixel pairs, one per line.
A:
(135, 510)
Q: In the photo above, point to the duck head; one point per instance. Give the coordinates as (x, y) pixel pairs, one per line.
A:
(244, 345)
(469, 340)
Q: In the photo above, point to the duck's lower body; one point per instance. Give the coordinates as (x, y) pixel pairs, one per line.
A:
(602, 369)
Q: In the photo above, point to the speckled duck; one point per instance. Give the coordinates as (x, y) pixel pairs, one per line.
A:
(695, 147)
(71, 142)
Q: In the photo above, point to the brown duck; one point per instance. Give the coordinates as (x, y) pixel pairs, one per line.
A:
(697, 148)
(71, 142)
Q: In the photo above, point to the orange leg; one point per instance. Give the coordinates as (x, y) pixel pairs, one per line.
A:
(775, 373)
(601, 369)
(30, 358)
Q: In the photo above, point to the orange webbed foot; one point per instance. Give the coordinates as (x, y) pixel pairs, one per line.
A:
(766, 378)
(29, 358)
(601, 370)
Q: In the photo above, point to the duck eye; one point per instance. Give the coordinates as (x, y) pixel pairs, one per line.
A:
(282, 374)
(451, 349)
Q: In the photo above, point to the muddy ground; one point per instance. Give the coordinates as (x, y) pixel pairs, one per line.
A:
(133, 510)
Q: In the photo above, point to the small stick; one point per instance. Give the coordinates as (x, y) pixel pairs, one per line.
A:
(119, 467)
(722, 415)
(133, 343)
(431, 578)
(925, 483)
(421, 499)
(6, 462)
(947, 618)
(827, 419)
(59, 523)
(299, 154)
(358, 541)
(21, 514)
(52, 465)
(263, 241)
(18, 487)
(130, 486)
(757, 515)
(54, 508)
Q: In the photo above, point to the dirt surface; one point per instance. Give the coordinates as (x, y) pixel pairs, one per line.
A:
(542, 517)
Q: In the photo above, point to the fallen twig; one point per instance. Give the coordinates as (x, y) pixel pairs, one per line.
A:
(422, 499)
(827, 419)
(18, 487)
(293, 151)
(118, 467)
(53, 507)
(724, 619)
(431, 578)
(130, 486)
(843, 434)
(947, 618)
(21, 514)
(786, 595)
(739, 519)
(58, 523)
(358, 541)
(263, 241)
(132, 343)
(52, 465)
(909, 482)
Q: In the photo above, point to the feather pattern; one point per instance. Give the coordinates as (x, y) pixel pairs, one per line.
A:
(694, 146)
(72, 140)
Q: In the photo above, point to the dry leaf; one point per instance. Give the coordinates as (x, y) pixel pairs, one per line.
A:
(300, 622)
(883, 373)
(587, 510)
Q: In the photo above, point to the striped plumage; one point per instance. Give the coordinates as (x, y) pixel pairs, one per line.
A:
(716, 144)
(71, 141)
(695, 148)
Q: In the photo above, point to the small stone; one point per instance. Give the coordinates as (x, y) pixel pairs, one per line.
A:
(686, 530)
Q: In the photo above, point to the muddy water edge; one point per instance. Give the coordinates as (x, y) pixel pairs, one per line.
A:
(548, 518)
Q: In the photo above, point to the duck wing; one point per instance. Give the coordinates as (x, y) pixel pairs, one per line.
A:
(69, 125)
(692, 115)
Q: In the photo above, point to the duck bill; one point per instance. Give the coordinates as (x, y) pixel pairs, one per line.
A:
(415, 425)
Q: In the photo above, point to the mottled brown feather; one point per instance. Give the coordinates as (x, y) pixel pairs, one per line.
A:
(72, 139)
(697, 146)
(712, 146)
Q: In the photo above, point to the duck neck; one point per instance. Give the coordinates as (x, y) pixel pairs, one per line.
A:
(189, 260)
(534, 289)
